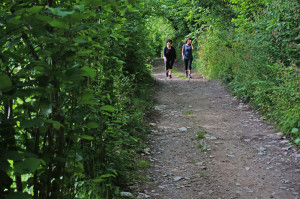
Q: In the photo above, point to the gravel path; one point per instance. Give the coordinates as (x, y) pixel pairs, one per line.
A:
(207, 144)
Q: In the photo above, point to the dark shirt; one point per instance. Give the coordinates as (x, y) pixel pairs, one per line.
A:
(170, 54)
(187, 51)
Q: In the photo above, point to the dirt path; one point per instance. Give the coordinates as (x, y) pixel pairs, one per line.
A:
(240, 157)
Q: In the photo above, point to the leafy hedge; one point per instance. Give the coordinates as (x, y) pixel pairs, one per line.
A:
(74, 90)
(258, 58)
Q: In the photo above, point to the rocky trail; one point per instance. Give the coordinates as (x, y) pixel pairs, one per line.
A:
(205, 143)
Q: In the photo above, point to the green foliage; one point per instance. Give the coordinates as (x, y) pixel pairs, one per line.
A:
(258, 57)
(188, 112)
(200, 135)
(143, 164)
(73, 94)
(162, 30)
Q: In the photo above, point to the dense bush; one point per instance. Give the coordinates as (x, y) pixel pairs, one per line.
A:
(74, 88)
(258, 58)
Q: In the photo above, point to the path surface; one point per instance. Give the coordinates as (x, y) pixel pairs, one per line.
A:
(241, 155)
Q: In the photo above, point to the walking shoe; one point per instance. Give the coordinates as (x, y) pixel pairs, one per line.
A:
(167, 74)
(190, 76)
(170, 76)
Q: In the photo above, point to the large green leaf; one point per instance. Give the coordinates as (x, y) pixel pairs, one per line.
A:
(108, 108)
(5, 81)
(62, 12)
(35, 9)
(58, 24)
(29, 165)
(86, 137)
(57, 125)
(87, 98)
(92, 125)
(89, 72)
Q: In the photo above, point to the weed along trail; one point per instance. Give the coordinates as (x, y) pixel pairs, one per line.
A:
(208, 144)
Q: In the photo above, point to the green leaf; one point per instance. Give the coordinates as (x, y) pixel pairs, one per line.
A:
(89, 72)
(108, 108)
(15, 20)
(92, 125)
(84, 52)
(29, 165)
(297, 141)
(86, 137)
(35, 9)
(107, 175)
(58, 24)
(295, 131)
(5, 81)
(32, 122)
(80, 8)
(57, 125)
(61, 12)
(97, 180)
(87, 98)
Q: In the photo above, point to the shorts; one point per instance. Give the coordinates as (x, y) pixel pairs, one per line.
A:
(188, 64)
(169, 64)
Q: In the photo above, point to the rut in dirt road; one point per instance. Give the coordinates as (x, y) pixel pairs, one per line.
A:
(207, 144)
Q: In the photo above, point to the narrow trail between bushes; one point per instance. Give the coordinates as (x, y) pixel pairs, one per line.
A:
(238, 156)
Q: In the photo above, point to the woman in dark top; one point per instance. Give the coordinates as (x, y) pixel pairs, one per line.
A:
(169, 57)
(187, 56)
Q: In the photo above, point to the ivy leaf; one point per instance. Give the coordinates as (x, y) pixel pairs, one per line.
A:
(108, 108)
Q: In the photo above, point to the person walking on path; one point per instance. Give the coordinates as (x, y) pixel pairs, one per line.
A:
(169, 57)
(187, 56)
